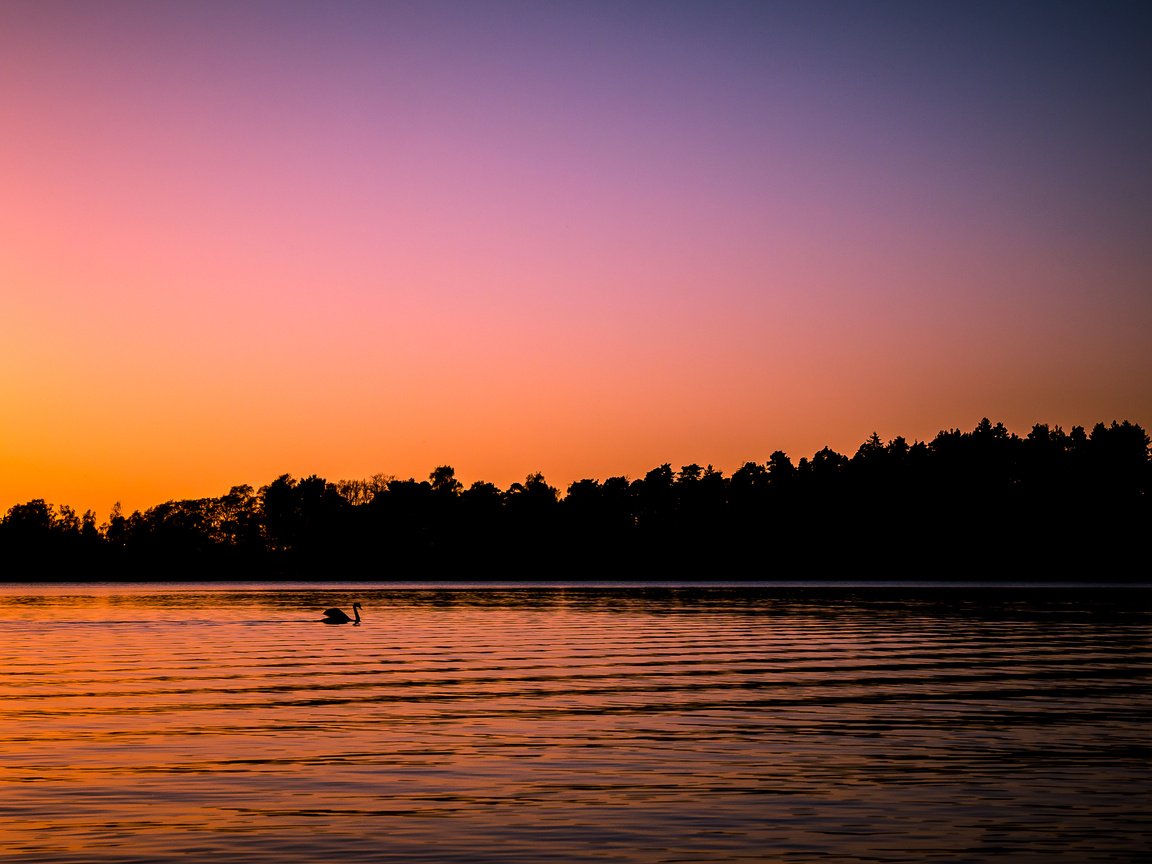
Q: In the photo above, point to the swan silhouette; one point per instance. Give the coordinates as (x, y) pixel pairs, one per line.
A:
(339, 616)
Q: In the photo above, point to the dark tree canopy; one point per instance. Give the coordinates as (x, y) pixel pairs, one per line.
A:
(984, 504)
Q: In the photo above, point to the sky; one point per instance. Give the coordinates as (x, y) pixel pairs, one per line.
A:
(239, 240)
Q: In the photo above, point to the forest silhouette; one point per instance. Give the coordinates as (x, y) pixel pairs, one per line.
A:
(980, 505)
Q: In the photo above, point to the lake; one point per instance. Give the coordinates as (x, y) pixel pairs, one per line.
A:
(575, 723)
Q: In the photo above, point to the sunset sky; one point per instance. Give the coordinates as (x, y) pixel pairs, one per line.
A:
(239, 239)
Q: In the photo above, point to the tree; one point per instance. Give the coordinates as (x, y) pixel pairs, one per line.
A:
(780, 470)
(305, 519)
(33, 521)
(689, 473)
(444, 482)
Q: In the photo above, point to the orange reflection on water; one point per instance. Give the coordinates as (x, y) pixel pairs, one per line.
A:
(635, 725)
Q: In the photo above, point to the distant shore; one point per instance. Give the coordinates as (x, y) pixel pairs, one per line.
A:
(985, 505)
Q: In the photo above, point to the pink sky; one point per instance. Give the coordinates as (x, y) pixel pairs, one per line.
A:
(239, 240)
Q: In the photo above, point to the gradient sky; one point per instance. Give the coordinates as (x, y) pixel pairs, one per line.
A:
(583, 238)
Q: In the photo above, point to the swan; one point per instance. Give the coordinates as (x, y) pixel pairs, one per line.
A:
(339, 616)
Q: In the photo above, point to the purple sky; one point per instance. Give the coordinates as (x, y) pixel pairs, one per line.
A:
(240, 239)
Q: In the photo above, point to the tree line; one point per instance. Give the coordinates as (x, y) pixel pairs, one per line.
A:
(984, 504)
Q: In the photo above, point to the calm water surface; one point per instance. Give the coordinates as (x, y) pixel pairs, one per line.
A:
(155, 723)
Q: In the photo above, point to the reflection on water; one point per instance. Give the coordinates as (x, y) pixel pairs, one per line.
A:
(630, 724)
